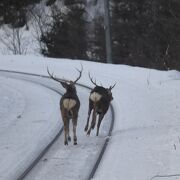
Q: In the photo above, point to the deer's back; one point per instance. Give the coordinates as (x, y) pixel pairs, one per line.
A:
(100, 90)
(99, 97)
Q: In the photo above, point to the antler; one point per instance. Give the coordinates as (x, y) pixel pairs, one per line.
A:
(92, 80)
(111, 87)
(52, 77)
(66, 81)
(80, 73)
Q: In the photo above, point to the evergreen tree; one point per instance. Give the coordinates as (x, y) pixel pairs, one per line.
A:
(67, 37)
(145, 33)
(14, 11)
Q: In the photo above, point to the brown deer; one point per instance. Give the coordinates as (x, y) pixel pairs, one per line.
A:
(69, 106)
(99, 101)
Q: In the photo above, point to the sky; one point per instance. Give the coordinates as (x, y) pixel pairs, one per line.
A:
(145, 141)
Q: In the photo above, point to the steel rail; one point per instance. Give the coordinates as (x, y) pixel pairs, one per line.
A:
(102, 151)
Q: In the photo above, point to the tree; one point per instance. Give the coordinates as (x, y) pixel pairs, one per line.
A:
(145, 33)
(13, 41)
(96, 40)
(14, 12)
(67, 35)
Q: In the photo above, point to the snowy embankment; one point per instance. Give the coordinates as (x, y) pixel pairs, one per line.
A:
(145, 139)
(27, 124)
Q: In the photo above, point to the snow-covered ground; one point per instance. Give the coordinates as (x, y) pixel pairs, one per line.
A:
(25, 124)
(145, 141)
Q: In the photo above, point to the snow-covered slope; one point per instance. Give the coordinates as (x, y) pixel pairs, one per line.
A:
(145, 140)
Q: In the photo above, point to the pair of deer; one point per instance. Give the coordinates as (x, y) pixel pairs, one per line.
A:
(99, 101)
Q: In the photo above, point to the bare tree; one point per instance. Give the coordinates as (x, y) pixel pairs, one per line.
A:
(13, 41)
(42, 19)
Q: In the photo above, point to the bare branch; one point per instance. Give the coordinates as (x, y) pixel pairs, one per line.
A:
(13, 40)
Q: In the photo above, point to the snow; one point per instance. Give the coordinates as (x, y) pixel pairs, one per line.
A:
(24, 124)
(145, 141)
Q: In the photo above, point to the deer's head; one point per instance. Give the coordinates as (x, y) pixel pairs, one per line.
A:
(108, 90)
(69, 85)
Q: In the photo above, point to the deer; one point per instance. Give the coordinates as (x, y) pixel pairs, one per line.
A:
(69, 105)
(99, 101)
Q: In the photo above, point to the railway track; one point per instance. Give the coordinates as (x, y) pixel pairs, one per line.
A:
(35, 78)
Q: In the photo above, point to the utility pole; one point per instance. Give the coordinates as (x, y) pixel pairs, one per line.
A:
(107, 32)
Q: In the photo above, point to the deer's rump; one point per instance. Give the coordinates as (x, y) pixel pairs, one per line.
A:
(69, 103)
(95, 96)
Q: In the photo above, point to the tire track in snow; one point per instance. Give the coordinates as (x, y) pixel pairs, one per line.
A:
(55, 138)
(95, 167)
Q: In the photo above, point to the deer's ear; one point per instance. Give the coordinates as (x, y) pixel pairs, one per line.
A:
(108, 90)
(64, 84)
(110, 93)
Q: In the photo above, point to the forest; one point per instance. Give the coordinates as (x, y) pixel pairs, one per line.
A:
(144, 33)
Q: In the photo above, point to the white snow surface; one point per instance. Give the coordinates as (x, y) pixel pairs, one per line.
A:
(145, 142)
(25, 124)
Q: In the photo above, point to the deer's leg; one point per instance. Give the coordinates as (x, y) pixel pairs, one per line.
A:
(66, 125)
(66, 131)
(99, 123)
(69, 137)
(93, 122)
(89, 113)
(74, 121)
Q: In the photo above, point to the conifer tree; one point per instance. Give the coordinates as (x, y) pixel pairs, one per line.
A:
(14, 12)
(145, 33)
(67, 36)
